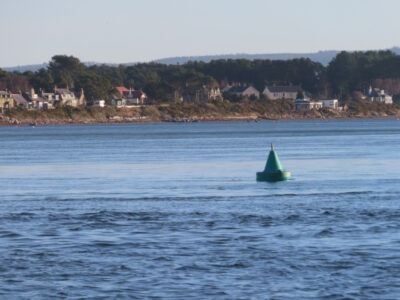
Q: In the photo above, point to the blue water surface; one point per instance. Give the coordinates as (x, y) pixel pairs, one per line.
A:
(173, 211)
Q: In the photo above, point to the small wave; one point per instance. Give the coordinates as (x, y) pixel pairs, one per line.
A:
(325, 232)
(9, 234)
(192, 267)
(205, 198)
(293, 217)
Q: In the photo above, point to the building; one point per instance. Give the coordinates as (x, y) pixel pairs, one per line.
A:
(204, 93)
(378, 95)
(212, 93)
(6, 101)
(330, 103)
(122, 91)
(137, 97)
(304, 104)
(289, 92)
(50, 97)
(20, 101)
(99, 103)
(68, 98)
(128, 97)
(36, 102)
(244, 91)
(118, 102)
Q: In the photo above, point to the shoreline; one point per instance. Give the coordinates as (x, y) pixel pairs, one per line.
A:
(152, 121)
(192, 113)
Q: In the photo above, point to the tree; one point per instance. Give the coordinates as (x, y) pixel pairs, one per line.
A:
(65, 70)
(94, 86)
(42, 79)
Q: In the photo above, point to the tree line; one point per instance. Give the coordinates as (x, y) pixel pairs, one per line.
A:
(347, 74)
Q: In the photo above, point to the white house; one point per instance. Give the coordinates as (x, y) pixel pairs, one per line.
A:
(330, 103)
(99, 103)
(304, 104)
(273, 92)
(378, 95)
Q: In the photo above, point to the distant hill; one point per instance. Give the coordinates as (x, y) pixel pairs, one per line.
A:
(25, 68)
(323, 57)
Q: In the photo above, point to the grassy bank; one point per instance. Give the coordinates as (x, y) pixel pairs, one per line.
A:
(179, 112)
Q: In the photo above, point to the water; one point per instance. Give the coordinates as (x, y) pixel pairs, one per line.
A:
(173, 211)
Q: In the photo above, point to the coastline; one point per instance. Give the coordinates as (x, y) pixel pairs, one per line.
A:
(187, 113)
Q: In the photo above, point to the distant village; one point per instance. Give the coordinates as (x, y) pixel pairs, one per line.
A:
(41, 100)
(124, 97)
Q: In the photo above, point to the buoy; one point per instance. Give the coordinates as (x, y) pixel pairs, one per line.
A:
(273, 170)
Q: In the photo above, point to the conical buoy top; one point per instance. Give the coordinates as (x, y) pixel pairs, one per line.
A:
(273, 170)
(273, 164)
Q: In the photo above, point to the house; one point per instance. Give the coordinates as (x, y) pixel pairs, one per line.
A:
(128, 97)
(136, 97)
(378, 95)
(213, 93)
(36, 102)
(205, 93)
(68, 98)
(99, 103)
(244, 91)
(122, 91)
(20, 101)
(118, 102)
(330, 103)
(50, 97)
(290, 92)
(6, 101)
(304, 104)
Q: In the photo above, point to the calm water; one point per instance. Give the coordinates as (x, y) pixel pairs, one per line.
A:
(173, 211)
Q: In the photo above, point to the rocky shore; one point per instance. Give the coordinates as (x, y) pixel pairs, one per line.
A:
(191, 112)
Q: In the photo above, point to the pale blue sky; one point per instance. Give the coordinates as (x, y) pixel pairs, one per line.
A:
(118, 31)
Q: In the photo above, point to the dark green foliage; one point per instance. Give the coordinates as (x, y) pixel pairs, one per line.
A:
(65, 69)
(42, 80)
(347, 73)
(355, 71)
(94, 85)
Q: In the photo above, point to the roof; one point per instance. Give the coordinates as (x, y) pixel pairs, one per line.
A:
(4, 93)
(19, 99)
(121, 89)
(239, 88)
(376, 93)
(29, 98)
(63, 91)
(284, 88)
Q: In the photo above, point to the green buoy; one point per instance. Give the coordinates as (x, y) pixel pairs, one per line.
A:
(273, 169)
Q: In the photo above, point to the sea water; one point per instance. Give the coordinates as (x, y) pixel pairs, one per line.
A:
(174, 211)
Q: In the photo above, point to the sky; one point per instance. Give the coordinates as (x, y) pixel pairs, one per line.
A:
(122, 31)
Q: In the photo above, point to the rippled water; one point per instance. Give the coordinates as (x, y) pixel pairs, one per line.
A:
(173, 211)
